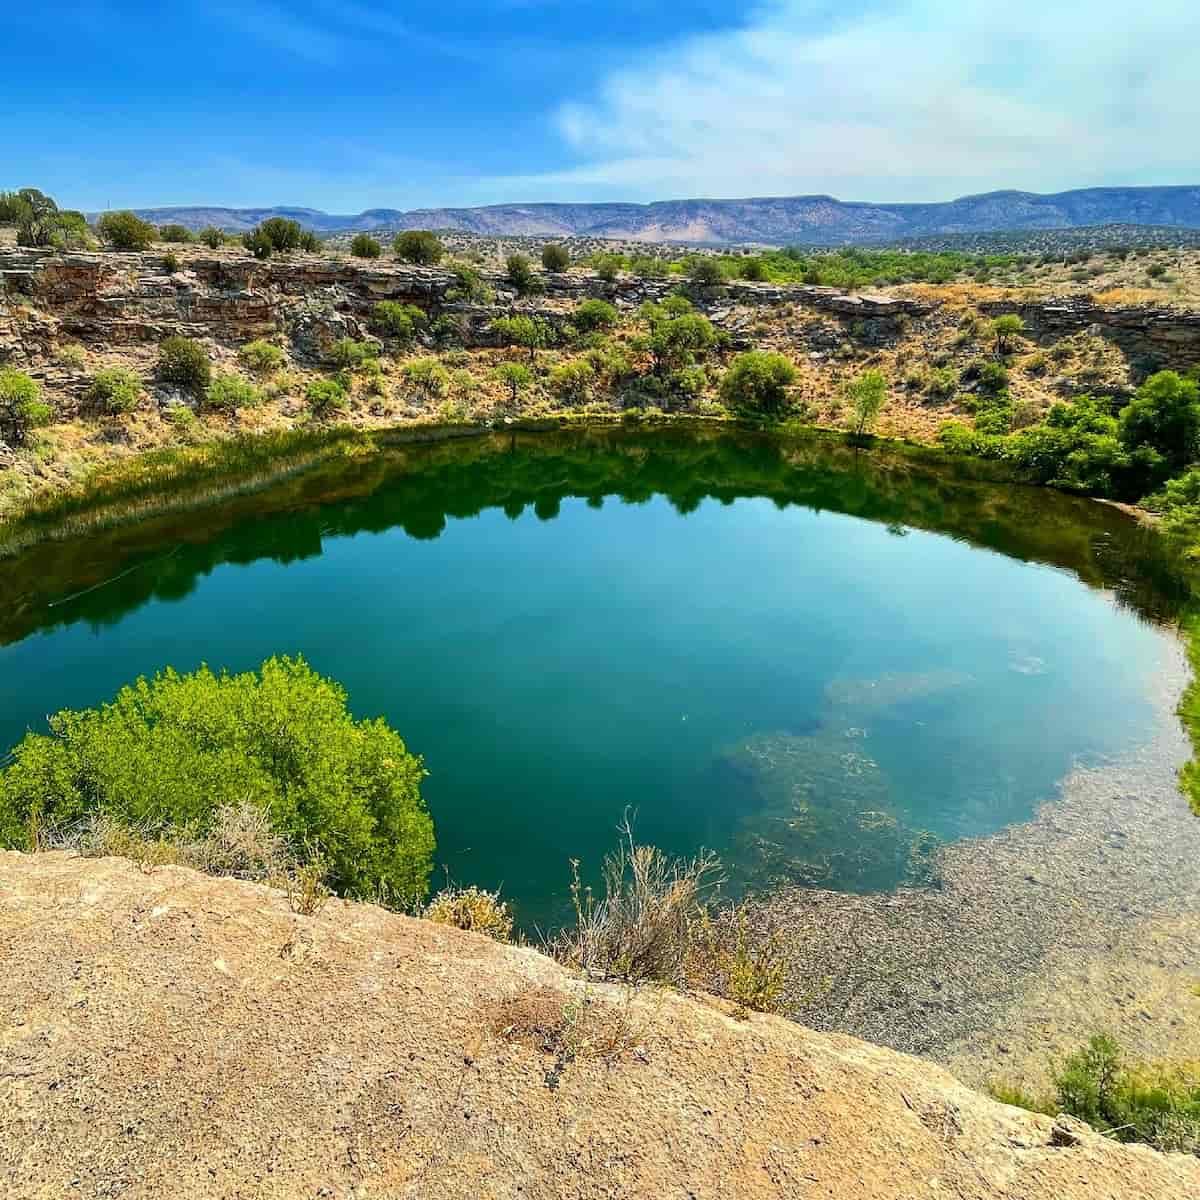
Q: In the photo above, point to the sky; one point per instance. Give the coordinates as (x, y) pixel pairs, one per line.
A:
(345, 105)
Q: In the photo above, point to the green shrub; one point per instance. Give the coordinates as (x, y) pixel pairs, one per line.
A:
(427, 377)
(278, 235)
(707, 272)
(469, 285)
(72, 355)
(211, 236)
(363, 245)
(472, 909)
(530, 333)
(757, 383)
(114, 391)
(418, 246)
(22, 408)
(591, 315)
(993, 378)
(941, 383)
(573, 381)
(1004, 329)
(608, 267)
(752, 268)
(866, 394)
(516, 377)
(171, 263)
(350, 355)
(126, 231)
(1164, 417)
(185, 362)
(175, 233)
(326, 397)
(172, 751)
(261, 356)
(397, 320)
(519, 272)
(228, 393)
(555, 258)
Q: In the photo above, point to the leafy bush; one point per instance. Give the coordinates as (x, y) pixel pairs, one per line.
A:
(349, 355)
(363, 245)
(678, 336)
(175, 233)
(72, 355)
(261, 356)
(278, 235)
(114, 391)
(172, 751)
(185, 362)
(211, 236)
(418, 246)
(21, 406)
(591, 315)
(427, 377)
(469, 285)
(555, 258)
(573, 381)
(326, 396)
(1004, 329)
(1165, 417)
(608, 267)
(757, 383)
(530, 333)
(519, 272)
(397, 320)
(126, 231)
(941, 383)
(171, 263)
(707, 271)
(516, 377)
(472, 909)
(866, 394)
(228, 393)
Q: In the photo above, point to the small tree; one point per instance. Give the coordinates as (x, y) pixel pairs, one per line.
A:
(397, 320)
(1004, 329)
(757, 383)
(866, 394)
(175, 233)
(517, 378)
(185, 362)
(363, 245)
(519, 271)
(591, 315)
(22, 408)
(555, 258)
(707, 272)
(211, 236)
(126, 231)
(418, 246)
(608, 267)
(573, 381)
(114, 391)
(1164, 416)
(528, 332)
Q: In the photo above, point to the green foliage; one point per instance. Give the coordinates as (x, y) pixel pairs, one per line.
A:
(519, 272)
(608, 266)
(530, 333)
(516, 377)
(363, 245)
(40, 222)
(752, 268)
(866, 394)
(992, 376)
(171, 263)
(397, 320)
(418, 246)
(114, 391)
(21, 406)
(472, 909)
(1159, 1107)
(126, 231)
(678, 336)
(555, 258)
(1164, 417)
(175, 233)
(591, 315)
(941, 383)
(278, 235)
(1004, 329)
(185, 362)
(469, 285)
(427, 377)
(707, 271)
(573, 381)
(757, 383)
(228, 393)
(172, 751)
(261, 356)
(326, 397)
(211, 236)
(350, 355)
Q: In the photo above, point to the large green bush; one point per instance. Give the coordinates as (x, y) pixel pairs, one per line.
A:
(418, 246)
(126, 230)
(591, 315)
(175, 233)
(171, 751)
(1164, 416)
(229, 393)
(363, 245)
(397, 320)
(555, 258)
(114, 390)
(757, 383)
(185, 362)
(21, 406)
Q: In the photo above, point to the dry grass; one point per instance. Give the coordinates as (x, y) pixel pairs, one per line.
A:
(472, 909)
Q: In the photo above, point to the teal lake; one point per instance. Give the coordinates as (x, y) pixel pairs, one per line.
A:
(819, 664)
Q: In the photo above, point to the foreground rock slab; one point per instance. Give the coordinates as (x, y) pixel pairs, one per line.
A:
(169, 1034)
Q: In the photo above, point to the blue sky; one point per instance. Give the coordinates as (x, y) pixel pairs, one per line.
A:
(357, 104)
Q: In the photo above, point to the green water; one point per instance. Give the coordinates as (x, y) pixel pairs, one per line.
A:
(819, 663)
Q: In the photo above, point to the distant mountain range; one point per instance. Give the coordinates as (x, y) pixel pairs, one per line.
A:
(813, 220)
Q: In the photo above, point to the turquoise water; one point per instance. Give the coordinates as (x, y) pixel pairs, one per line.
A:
(818, 696)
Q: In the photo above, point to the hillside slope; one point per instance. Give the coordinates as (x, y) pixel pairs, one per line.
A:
(169, 1034)
(819, 220)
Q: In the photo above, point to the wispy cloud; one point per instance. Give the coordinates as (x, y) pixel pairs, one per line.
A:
(909, 100)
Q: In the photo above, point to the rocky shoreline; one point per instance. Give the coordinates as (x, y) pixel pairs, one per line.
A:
(1084, 919)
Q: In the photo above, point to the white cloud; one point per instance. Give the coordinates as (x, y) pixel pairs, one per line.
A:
(909, 101)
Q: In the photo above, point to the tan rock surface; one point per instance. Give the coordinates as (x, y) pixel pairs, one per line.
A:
(173, 1035)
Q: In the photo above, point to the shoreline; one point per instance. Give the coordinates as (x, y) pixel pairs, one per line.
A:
(1084, 919)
